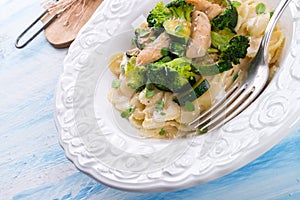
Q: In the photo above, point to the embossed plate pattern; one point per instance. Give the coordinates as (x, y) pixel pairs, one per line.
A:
(102, 144)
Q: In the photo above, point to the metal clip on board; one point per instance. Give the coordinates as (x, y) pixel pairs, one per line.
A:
(20, 46)
(62, 21)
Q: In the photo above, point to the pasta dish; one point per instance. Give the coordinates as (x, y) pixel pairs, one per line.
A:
(184, 57)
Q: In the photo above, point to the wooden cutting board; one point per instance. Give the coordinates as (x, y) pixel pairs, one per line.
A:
(62, 32)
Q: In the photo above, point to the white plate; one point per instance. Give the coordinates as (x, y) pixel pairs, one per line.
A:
(105, 146)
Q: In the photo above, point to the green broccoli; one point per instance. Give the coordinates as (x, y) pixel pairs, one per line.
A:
(136, 75)
(231, 48)
(175, 75)
(175, 19)
(180, 23)
(228, 50)
(228, 18)
(180, 9)
(179, 26)
(235, 49)
(158, 15)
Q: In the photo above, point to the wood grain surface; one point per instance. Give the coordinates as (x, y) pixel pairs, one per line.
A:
(62, 32)
(33, 166)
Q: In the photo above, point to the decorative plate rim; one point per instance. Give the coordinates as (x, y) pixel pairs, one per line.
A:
(257, 120)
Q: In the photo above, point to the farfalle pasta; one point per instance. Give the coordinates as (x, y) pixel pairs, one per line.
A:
(184, 58)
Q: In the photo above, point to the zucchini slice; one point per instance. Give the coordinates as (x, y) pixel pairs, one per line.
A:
(178, 30)
(213, 69)
(195, 92)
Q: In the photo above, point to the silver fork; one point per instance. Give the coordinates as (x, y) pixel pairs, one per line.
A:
(241, 94)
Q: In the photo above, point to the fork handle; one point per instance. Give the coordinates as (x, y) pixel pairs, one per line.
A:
(271, 25)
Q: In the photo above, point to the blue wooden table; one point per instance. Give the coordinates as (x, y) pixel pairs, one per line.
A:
(34, 166)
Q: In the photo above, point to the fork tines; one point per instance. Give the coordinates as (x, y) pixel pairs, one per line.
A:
(230, 105)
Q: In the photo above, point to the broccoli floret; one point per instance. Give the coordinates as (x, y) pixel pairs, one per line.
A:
(158, 15)
(174, 75)
(228, 18)
(231, 48)
(181, 9)
(179, 26)
(136, 75)
(182, 66)
(235, 49)
(228, 50)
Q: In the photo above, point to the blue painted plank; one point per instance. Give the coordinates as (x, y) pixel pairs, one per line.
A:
(33, 165)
